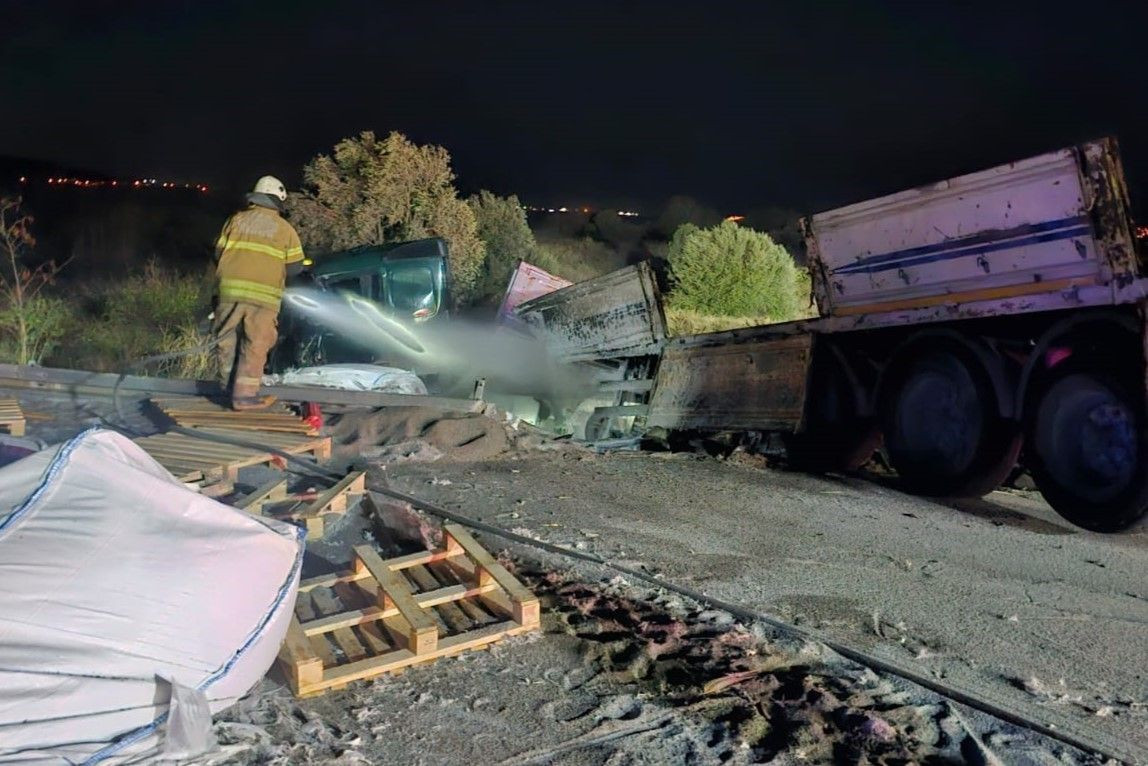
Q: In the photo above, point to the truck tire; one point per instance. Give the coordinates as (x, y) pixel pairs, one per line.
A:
(942, 428)
(836, 437)
(1087, 445)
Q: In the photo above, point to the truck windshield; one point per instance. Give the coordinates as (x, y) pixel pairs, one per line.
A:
(412, 286)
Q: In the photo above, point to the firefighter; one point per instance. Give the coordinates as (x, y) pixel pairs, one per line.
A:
(257, 250)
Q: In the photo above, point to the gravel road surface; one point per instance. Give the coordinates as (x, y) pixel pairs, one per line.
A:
(997, 596)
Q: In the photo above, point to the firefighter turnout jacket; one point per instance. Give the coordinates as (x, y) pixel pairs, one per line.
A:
(252, 256)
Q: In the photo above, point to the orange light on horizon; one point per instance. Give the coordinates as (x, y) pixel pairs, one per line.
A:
(735, 218)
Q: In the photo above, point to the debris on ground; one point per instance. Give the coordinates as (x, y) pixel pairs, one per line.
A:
(381, 616)
(418, 433)
(623, 675)
(352, 377)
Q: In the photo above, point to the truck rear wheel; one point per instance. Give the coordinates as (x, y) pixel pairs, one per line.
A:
(1086, 449)
(942, 429)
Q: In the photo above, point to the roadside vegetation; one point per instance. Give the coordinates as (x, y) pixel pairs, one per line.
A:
(371, 191)
(716, 274)
(32, 321)
(116, 322)
(102, 324)
(730, 276)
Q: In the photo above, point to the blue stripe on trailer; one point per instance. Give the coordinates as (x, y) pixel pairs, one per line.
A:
(990, 242)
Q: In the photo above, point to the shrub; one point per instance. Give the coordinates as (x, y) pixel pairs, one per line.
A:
(372, 191)
(45, 320)
(729, 270)
(119, 322)
(502, 227)
(31, 322)
(195, 359)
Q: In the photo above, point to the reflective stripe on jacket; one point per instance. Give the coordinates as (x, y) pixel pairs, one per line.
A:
(252, 254)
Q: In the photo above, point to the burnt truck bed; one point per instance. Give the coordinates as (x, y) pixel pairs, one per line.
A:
(615, 316)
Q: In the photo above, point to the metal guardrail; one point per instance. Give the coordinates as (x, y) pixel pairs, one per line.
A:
(103, 383)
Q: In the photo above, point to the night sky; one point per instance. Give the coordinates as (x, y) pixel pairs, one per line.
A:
(799, 104)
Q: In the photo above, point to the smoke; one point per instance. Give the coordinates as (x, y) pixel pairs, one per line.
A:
(456, 350)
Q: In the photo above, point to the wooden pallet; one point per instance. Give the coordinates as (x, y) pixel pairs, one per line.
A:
(190, 459)
(12, 419)
(383, 616)
(271, 500)
(198, 411)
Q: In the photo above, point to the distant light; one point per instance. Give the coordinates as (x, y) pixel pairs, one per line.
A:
(23, 179)
(735, 218)
(561, 210)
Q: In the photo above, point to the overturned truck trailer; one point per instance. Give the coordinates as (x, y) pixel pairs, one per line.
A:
(613, 324)
(960, 322)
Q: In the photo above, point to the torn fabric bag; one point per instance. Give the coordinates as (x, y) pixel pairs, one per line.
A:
(118, 585)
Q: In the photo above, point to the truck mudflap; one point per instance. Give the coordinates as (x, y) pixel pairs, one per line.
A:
(613, 316)
(758, 385)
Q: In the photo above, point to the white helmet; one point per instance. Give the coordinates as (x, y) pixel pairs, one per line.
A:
(273, 186)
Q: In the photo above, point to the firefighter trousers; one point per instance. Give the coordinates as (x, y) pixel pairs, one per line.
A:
(245, 334)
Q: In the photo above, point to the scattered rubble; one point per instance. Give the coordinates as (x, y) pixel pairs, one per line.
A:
(418, 433)
(624, 675)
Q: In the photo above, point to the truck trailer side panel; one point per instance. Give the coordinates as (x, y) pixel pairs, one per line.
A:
(758, 385)
(1024, 228)
(613, 316)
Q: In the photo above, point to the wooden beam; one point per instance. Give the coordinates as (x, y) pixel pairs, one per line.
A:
(421, 559)
(525, 606)
(326, 581)
(423, 636)
(276, 489)
(334, 499)
(401, 658)
(303, 665)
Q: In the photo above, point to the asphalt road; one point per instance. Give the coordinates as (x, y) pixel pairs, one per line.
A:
(997, 596)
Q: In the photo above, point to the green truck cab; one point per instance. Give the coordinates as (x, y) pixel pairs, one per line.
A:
(407, 281)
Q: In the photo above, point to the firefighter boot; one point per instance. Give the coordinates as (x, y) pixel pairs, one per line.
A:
(243, 403)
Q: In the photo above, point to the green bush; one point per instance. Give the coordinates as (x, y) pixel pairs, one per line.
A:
(502, 227)
(195, 360)
(729, 270)
(116, 323)
(47, 320)
(372, 190)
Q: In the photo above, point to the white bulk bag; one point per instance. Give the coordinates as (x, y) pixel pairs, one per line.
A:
(115, 581)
